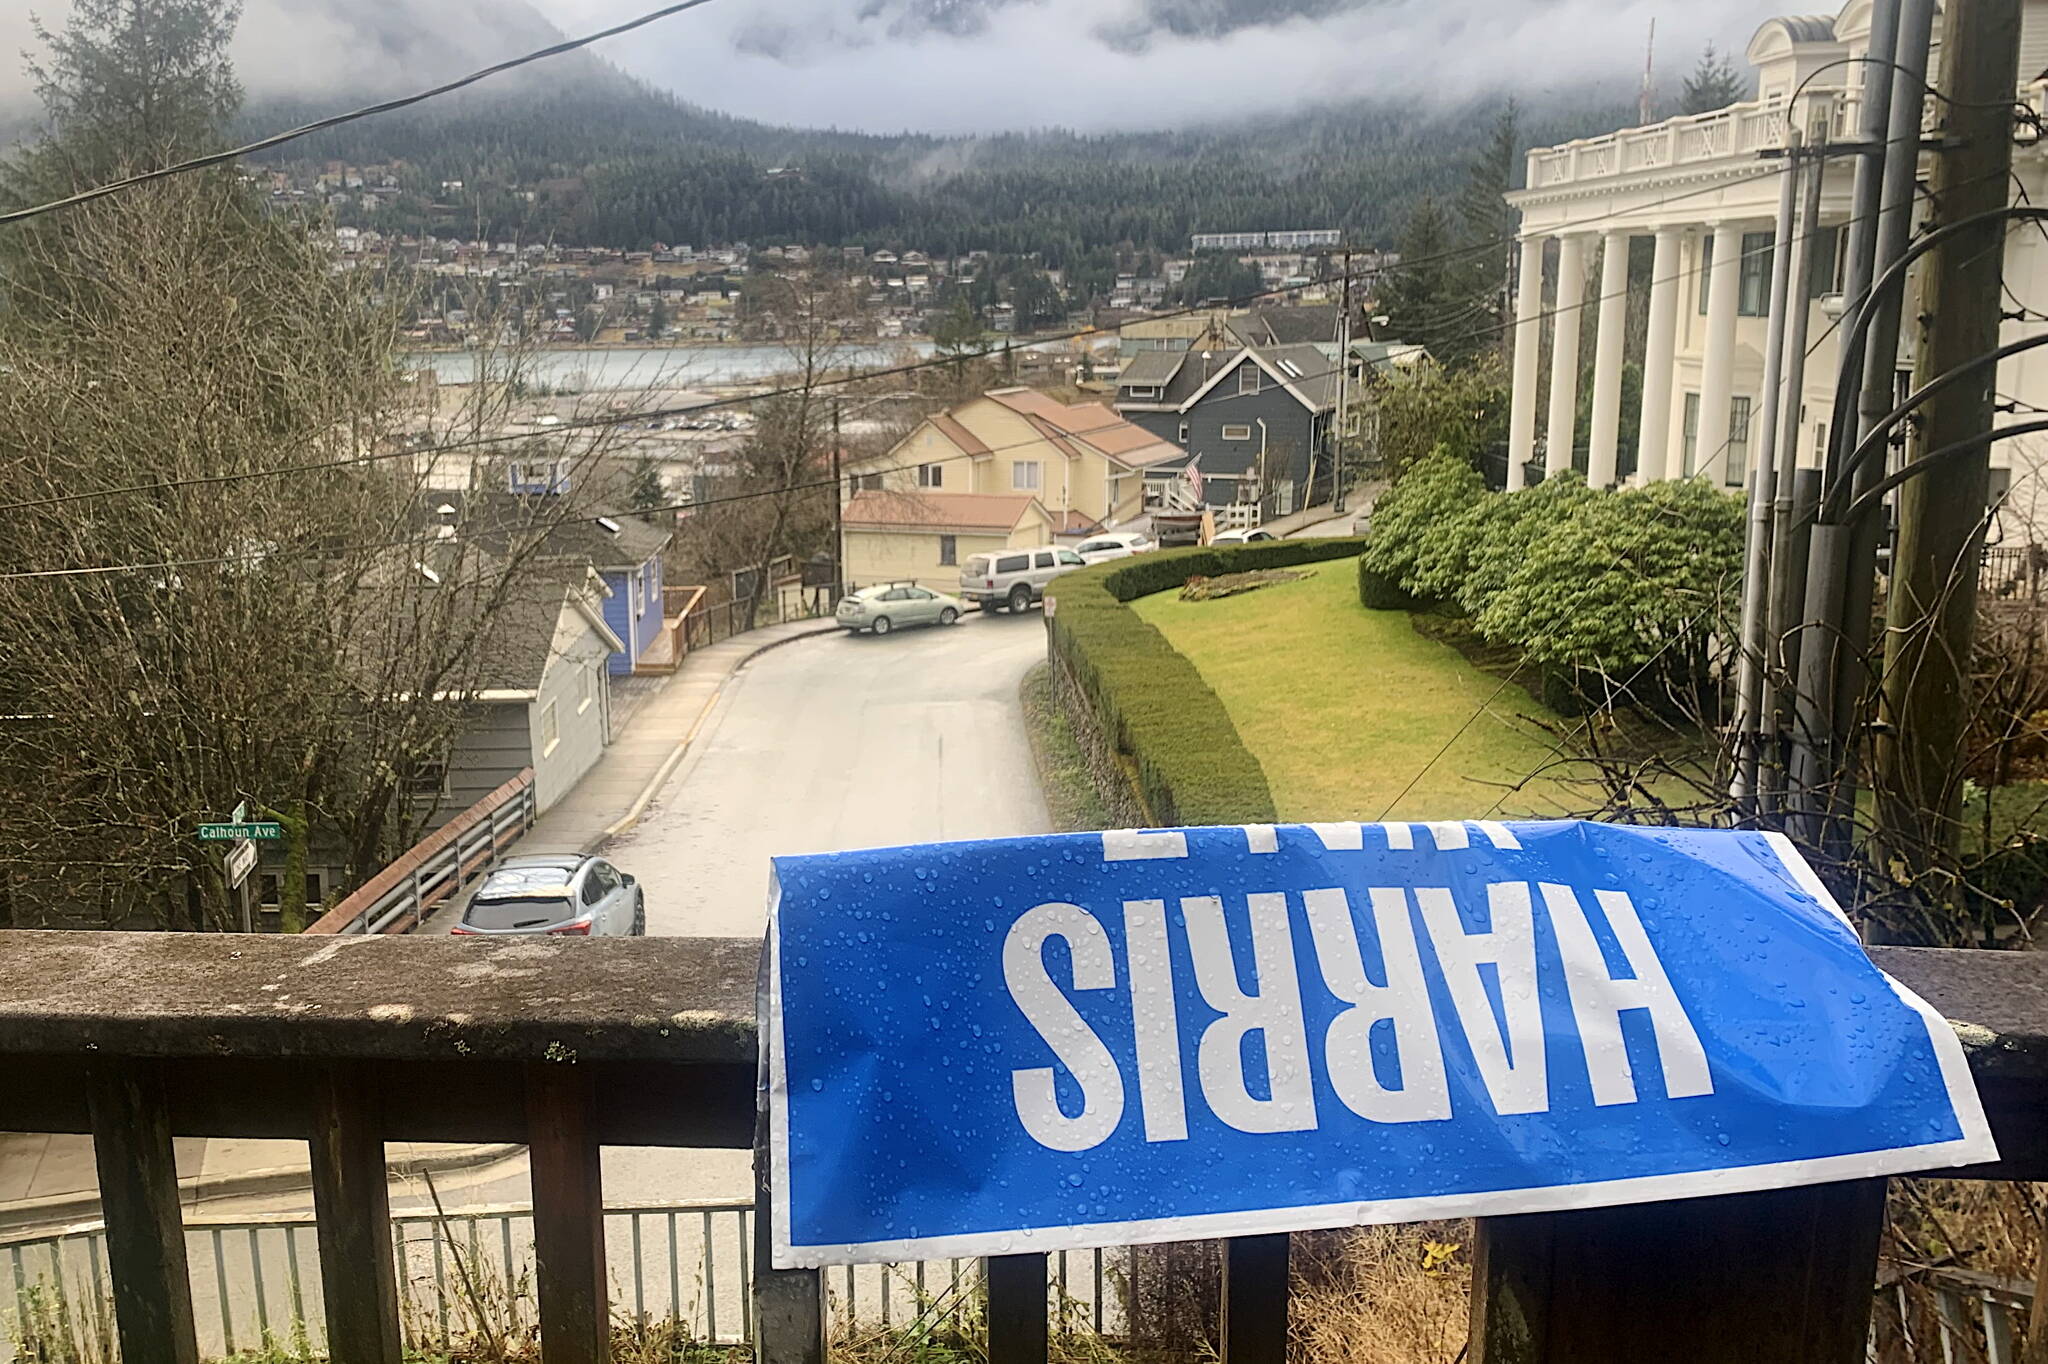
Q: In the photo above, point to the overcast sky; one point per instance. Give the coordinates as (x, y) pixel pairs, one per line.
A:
(1037, 63)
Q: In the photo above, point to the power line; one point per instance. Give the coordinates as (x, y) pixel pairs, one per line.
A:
(336, 120)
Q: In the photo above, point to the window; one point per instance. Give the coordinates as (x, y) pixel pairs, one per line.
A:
(1237, 433)
(639, 595)
(593, 887)
(550, 729)
(865, 483)
(1013, 563)
(430, 777)
(1999, 487)
(1827, 261)
(1754, 298)
(1026, 475)
(1183, 433)
(916, 594)
(589, 690)
(931, 475)
(1706, 269)
(949, 549)
(1068, 558)
(1044, 559)
(1820, 444)
(1140, 391)
(1736, 465)
(1689, 441)
(1247, 378)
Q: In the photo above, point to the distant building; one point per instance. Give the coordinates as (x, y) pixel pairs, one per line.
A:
(1286, 240)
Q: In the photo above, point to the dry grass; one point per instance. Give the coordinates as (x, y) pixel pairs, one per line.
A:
(1383, 1295)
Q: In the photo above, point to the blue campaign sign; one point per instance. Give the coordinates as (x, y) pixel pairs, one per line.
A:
(1102, 1039)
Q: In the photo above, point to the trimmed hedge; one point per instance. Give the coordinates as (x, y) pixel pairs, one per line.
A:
(1191, 766)
(1378, 592)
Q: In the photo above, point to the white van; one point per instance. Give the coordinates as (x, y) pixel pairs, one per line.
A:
(1014, 577)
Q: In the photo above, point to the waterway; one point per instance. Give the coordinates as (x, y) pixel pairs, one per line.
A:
(600, 369)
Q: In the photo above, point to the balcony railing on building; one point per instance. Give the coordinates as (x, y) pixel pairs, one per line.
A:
(350, 1042)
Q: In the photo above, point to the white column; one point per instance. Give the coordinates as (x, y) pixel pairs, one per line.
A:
(1564, 353)
(1653, 440)
(1717, 368)
(1528, 345)
(1605, 447)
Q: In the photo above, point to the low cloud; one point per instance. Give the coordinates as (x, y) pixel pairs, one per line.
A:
(964, 66)
(1073, 63)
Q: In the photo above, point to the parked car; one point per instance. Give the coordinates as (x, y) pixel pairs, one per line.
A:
(1015, 577)
(564, 895)
(1101, 549)
(892, 606)
(1242, 537)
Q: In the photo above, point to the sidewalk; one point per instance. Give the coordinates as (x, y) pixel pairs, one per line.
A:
(48, 1181)
(51, 1180)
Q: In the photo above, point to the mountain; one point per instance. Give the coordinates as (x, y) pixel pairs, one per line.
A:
(574, 150)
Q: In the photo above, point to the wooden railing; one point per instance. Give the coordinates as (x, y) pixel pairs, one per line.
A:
(569, 1046)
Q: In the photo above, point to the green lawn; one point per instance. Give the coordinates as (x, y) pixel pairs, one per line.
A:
(1343, 706)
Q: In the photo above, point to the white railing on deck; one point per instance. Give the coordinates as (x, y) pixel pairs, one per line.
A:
(1738, 132)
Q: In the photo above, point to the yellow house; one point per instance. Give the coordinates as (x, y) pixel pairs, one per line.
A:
(1083, 463)
(908, 535)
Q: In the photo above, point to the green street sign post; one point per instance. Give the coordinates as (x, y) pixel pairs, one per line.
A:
(259, 831)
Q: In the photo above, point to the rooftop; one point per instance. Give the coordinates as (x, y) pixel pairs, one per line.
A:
(993, 513)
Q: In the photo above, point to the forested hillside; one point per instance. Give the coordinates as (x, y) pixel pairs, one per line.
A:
(588, 156)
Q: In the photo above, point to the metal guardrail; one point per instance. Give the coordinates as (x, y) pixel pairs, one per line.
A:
(1962, 1314)
(439, 866)
(469, 1273)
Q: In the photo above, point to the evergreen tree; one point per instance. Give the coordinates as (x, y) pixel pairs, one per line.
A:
(131, 85)
(1487, 224)
(1713, 84)
(1427, 298)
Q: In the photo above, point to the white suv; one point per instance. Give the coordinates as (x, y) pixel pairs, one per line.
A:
(1014, 577)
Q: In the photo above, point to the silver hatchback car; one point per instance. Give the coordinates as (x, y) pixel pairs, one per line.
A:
(563, 896)
(893, 606)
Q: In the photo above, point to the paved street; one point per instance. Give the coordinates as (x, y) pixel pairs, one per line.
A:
(847, 742)
(822, 744)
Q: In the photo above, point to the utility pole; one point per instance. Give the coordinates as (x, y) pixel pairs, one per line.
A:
(838, 514)
(1343, 394)
(1931, 614)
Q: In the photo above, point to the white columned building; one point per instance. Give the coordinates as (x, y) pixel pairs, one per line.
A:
(1705, 189)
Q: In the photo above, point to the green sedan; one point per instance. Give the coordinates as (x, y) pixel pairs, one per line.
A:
(892, 607)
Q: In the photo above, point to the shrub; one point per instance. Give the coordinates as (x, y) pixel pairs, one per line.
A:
(1627, 579)
(1378, 592)
(1188, 761)
(1436, 491)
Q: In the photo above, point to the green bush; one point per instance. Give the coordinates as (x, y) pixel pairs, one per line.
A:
(1189, 763)
(1436, 491)
(1378, 592)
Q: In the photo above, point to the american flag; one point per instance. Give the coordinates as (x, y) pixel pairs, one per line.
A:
(1194, 477)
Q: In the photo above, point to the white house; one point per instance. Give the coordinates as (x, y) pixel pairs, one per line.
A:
(1701, 188)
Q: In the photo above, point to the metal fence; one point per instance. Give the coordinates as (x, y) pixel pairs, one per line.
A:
(467, 1275)
(438, 866)
(1957, 1316)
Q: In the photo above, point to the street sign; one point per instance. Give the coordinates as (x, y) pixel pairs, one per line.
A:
(1110, 1039)
(241, 860)
(260, 831)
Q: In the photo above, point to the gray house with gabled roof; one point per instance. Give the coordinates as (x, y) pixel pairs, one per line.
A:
(1255, 420)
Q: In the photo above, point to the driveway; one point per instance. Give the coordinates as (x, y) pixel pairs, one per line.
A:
(837, 743)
